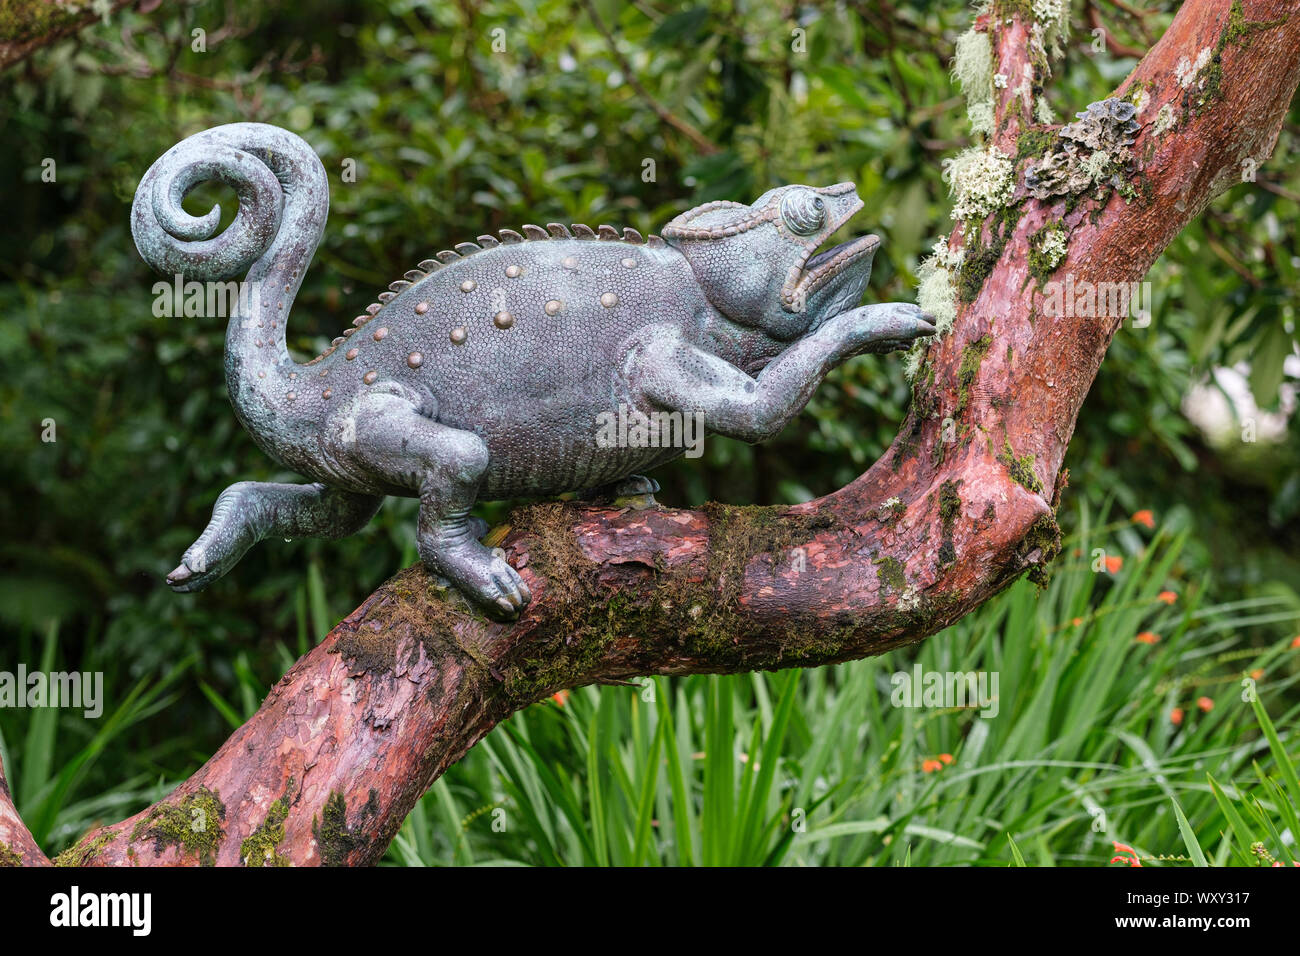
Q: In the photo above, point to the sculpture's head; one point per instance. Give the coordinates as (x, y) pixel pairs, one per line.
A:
(759, 264)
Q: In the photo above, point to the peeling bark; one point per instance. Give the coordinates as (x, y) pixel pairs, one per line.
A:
(359, 728)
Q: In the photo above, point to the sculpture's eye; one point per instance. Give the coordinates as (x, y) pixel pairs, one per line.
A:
(803, 211)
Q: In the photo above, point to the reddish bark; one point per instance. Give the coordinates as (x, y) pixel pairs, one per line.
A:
(362, 725)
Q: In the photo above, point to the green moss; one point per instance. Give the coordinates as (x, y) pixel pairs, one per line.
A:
(412, 612)
(194, 825)
(1146, 190)
(1043, 262)
(9, 856)
(949, 509)
(84, 850)
(1034, 142)
(698, 604)
(890, 572)
(557, 656)
(23, 20)
(1136, 89)
(980, 259)
(706, 612)
(333, 838)
(1014, 114)
(259, 847)
(972, 356)
(1039, 548)
(699, 601)
(1238, 30)
(1021, 469)
(949, 504)
(923, 392)
(1006, 9)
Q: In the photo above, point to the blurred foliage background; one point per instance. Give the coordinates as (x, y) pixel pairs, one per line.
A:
(461, 118)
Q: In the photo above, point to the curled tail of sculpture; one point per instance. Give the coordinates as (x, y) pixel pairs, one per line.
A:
(283, 203)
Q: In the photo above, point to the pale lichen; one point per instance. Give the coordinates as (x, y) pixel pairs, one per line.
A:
(1165, 120)
(1093, 151)
(1188, 70)
(1047, 250)
(972, 67)
(937, 295)
(981, 180)
(1043, 112)
(1054, 16)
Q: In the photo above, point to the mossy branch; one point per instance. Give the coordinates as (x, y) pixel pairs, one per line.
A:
(960, 506)
(28, 25)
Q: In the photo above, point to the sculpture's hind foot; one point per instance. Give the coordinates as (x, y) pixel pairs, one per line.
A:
(481, 575)
(249, 511)
(398, 443)
(635, 491)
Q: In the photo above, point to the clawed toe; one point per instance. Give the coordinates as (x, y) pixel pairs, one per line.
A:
(483, 577)
(184, 579)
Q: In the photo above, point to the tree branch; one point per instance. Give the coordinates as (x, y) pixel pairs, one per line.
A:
(702, 142)
(359, 728)
(29, 25)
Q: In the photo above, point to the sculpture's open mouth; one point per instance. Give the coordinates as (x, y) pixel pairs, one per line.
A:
(830, 262)
(820, 268)
(816, 268)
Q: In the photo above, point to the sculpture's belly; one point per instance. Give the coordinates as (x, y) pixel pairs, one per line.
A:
(527, 357)
(520, 344)
(563, 465)
(575, 430)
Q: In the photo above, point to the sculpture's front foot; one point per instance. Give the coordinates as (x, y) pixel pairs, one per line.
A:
(883, 327)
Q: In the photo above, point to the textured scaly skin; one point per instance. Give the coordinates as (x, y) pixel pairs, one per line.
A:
(487, 371)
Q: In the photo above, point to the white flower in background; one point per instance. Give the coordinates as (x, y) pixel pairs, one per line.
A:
(1220, 406)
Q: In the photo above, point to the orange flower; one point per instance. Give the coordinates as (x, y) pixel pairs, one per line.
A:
(1120, 850)
(1144, 518)
(1205, 704)
(1257, 673)
(946, 758)
(930, 766)
(1169, 597)
(1147, 637)
(1295, 641)
(560, 696)
(1077, 621)
(1176, 716)
(1113, 563)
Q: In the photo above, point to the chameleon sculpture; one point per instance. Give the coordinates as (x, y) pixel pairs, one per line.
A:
(483, 373)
